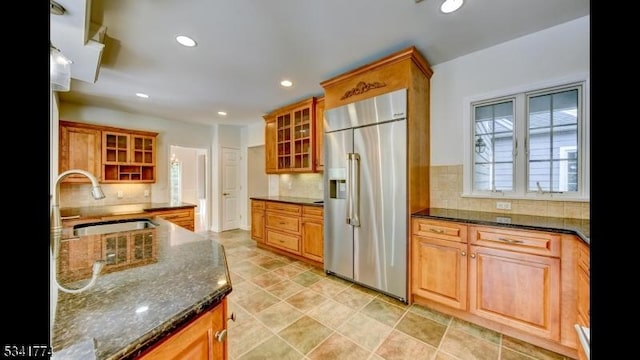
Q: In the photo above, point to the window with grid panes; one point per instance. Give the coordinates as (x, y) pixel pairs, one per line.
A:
(530, 145)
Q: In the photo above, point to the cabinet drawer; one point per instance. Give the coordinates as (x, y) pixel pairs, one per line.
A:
(531, 242)
(284, 241)
(257, 204)
(290, 209)
(283, 222)
(312, 211)
(444, 230)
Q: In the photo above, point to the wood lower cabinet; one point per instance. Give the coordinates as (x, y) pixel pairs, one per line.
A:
(583, 303)
(184, 217)
(439, 262)
(257, 220)
(512, 283)
(293, 229)
(313, 233)
(79, 148)
(529, 284)
(203, 338)
(282, 226)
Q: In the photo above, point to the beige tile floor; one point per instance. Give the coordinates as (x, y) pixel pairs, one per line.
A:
(286, 309)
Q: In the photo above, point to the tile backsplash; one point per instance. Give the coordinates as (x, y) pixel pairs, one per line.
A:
(301, 185)
(78, 195)
(446, 188)
(445, 192)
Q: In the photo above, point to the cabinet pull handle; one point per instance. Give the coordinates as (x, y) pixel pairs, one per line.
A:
(221, 335)
(437, 231)
(464, 253)
(232, 317)
(473, 256)
(281, 223)
(511, 241)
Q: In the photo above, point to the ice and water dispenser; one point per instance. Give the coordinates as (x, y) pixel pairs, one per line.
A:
(337, 183)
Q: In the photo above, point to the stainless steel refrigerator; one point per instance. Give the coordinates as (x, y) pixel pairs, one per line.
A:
(365, 201)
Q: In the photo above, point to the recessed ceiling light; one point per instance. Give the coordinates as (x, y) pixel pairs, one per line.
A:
(222, 113)
(185, 40)
(142, 95)
(449, 6)
(286, 83)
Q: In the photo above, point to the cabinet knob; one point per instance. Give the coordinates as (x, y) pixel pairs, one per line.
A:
(232, 317)
(221, 336)
(464, 253)
(473, 256)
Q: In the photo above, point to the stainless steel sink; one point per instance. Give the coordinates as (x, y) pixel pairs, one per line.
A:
(113, 226)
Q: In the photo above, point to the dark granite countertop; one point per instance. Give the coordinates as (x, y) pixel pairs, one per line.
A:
(176, 276)
(578, 227)
(291, 200)
(124, 209)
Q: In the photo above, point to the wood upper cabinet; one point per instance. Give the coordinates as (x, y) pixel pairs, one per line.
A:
(113, 155)
(257, 220)
(203, 338)
(439, 262)
(79, 148)
(271, 160)
(128, 157)
(511, 283)
(289, 133)
(319, 131)
(313, 233)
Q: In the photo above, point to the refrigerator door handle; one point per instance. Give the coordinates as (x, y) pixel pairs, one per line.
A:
(349, 190)
(354, 194)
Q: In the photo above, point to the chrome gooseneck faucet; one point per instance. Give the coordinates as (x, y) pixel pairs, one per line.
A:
(56, 223)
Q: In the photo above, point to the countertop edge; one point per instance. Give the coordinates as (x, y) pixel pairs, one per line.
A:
(290, 200)
(170, 326)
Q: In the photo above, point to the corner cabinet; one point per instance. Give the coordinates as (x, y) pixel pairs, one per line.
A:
(203, 338)
(290, 138)
(113, 155)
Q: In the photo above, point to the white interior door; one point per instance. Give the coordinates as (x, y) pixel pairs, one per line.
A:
(230, 188)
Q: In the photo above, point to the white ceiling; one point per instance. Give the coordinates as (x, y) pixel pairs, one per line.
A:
(245, 47)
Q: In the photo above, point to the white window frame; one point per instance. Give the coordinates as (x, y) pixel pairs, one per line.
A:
(520, 125)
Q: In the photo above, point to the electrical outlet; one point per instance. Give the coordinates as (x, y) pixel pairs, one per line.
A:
(503, 205)
(146, 193)
(120, 194)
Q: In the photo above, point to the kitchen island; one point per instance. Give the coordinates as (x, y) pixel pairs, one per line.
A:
(154, 281)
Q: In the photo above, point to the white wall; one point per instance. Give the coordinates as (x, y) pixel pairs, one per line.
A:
(545, 56)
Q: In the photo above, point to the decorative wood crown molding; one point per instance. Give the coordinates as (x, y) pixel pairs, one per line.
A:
(362, 88)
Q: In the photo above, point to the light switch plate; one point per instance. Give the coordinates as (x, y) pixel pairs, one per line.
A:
(120, 194)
